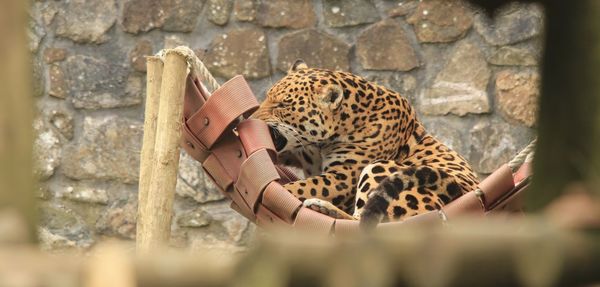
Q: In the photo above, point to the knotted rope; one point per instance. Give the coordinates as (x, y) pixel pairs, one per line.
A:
(195, 66)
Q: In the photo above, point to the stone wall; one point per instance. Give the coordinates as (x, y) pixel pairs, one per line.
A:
(474, 81)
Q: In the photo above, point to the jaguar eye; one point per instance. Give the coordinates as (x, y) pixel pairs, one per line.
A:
(281, 105)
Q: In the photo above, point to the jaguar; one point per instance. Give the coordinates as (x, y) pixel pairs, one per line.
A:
(364, 153)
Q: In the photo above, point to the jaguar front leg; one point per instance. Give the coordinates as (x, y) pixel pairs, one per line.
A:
(335, 186)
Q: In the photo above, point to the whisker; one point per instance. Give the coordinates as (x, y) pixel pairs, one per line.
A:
(297, 136)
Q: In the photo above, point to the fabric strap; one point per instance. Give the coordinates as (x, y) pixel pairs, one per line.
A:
(233, 100)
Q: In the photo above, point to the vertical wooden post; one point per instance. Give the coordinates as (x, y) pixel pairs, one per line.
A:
(157, 211)
(17, 200)
(569, 121)
(153, 83)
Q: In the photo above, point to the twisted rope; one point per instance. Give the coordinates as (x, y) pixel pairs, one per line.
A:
(525, 155)
(195, 66)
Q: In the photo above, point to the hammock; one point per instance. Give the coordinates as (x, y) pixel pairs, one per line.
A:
(238, 155)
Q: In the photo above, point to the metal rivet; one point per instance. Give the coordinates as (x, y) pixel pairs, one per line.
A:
(239, 154)
(190, 145)
(206, 121)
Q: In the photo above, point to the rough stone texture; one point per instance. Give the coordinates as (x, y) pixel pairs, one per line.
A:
(513, 24)
(35, 34)
(181, 15)
(45, 11)
(403, 8)
(403, 84)
(494, 143)
(245, 10)
(53, 55)
(137, 55)
(448, 132)
(170, 15)
(219, 10)
(47, 149)
(142, 15)
(62, 121)
(511, 56)
(62, 228)
(86, 21)
(119, 220)
(108, 149)
(194, 218)
(317, 49)
(384, 46)
(460, 88)
(38, 77)
(173, 41)
(58, 85)
(95, 83)
(84, 192)
(88, 76)
(226, 227)
(342, 13)
(286, 13)
(438, 21)
(517, 95)
(241, 51)
(192, 182)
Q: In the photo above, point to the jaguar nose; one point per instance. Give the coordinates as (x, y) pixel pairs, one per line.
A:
(278, 140)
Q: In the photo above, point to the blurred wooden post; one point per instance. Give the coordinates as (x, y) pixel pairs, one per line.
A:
(157, 210)
(109, 265)
(153, 83)
(17, 202)
(568, 149)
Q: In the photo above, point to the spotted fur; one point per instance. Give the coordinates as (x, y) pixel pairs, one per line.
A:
(361, 147)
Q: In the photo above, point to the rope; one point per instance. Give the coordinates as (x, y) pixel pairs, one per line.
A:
(195, 66)
(525, 155)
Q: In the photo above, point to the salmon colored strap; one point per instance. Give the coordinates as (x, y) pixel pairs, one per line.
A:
(242, 208)
(279, 200)
(496, 185)
(230, 154)
(213, 168)
(312, 221)
(490, 190)
(265, 218)
(195, 96)
(523, 172)
(225, 106)
(286, 175)
(468, 203)
(346, 227)
(192, 145)
(255, 135)
(255, 174)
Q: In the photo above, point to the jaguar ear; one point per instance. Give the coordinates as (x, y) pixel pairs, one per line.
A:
(331, 97)
(298, 65)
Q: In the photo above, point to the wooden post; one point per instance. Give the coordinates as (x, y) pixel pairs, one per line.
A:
(569, 126)
(17, 202)
(157, 211)
(153, 83)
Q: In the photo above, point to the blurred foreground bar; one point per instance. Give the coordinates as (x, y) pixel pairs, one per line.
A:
(468, 253)
(17, 206)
